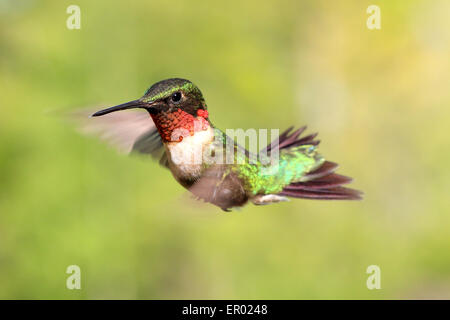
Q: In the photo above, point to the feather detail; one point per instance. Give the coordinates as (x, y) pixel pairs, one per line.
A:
(339, 193)
(321, 183)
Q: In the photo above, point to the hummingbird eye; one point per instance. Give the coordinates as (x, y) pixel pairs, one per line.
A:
(176, 97)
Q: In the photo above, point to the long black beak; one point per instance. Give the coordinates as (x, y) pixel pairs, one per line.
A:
(129, 105)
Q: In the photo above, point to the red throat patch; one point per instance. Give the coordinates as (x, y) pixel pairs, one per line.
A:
(178, 124)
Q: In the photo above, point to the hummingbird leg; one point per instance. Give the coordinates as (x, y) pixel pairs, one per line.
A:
(264, 199)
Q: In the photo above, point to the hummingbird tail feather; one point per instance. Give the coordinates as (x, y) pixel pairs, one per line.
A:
(338, 193)
(323, 183)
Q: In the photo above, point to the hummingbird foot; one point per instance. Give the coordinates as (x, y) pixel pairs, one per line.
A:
(268, 199)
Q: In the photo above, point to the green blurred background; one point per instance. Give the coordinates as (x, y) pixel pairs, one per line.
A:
(379, 98)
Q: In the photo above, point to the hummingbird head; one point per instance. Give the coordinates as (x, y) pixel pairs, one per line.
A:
(176, 106)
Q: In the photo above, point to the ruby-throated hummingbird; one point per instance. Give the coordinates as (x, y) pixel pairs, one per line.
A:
(198, 154)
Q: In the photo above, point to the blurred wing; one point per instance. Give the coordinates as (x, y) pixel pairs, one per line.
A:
(220, 187)
(207, 186)
(128, 131)
(150, 143)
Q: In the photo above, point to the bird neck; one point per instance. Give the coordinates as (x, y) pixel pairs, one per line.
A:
(176, 125)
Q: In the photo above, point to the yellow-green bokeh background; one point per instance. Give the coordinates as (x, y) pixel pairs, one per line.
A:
(379, 98)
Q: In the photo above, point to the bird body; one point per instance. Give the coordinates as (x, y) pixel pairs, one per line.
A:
(217, 169)
(182, 156)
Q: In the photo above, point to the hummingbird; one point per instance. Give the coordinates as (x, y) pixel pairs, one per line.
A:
(179, 132)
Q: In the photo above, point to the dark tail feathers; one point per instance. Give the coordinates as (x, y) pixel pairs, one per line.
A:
(322, 183)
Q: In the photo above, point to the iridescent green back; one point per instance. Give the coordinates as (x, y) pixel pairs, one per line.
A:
(292, 165)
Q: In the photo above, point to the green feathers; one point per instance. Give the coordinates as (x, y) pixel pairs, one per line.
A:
(292, 166)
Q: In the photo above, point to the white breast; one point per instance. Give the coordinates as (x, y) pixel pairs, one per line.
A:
(186, 157)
